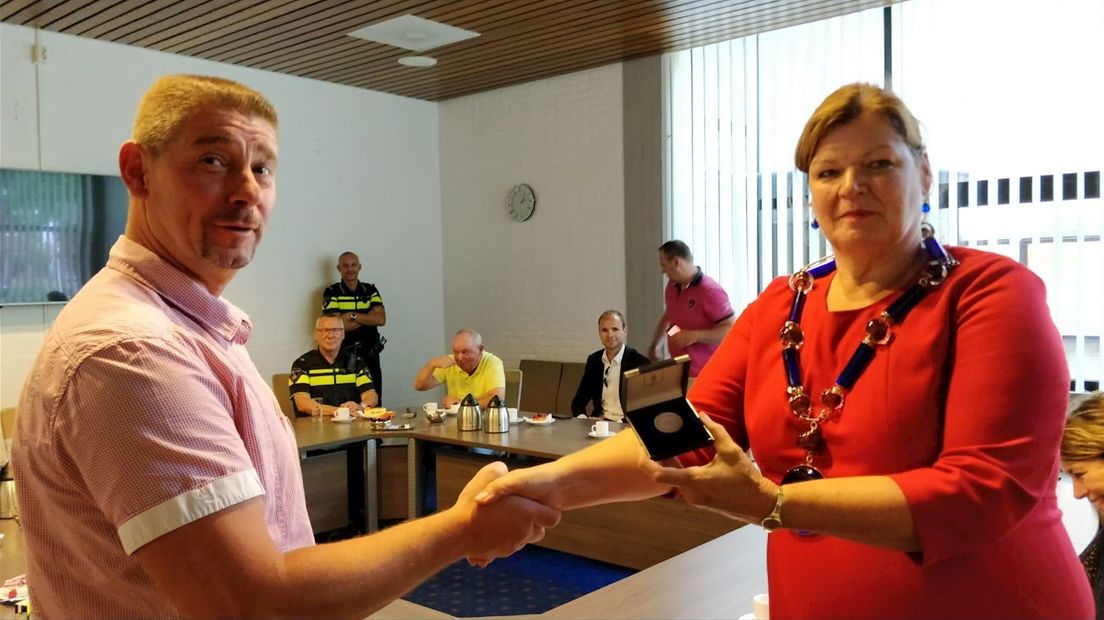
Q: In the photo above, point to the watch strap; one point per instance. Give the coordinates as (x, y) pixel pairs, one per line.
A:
(773, 521)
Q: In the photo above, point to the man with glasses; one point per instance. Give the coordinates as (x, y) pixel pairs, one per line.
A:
(339, 378)
(601, 382)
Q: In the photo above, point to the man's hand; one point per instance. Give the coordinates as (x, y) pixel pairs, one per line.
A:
(653, 352)
(535, 483)
(684, 338)
(730, 484)
(442, 362)
(449, 401)
(498, 529)
(352, 406)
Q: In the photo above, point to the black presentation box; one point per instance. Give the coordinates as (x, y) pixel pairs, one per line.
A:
(655, 405)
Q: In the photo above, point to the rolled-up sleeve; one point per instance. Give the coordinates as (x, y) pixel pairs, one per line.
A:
(156, 438)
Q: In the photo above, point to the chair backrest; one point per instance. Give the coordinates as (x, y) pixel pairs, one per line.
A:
(513, 388)
(7, 421)
(570, 377)
(542, 381)
(7, 425)
(283, 394)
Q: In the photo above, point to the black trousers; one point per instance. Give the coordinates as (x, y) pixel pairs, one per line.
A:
(372, 363)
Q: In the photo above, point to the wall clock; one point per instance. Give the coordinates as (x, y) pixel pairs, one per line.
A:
(521, 202)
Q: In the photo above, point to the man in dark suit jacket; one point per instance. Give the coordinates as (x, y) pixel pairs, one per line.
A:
(601, 380)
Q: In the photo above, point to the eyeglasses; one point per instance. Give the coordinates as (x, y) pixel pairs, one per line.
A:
(605, 376)
(333, 331)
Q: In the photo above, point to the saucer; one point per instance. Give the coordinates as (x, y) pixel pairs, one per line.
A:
(346, 421)
(536, 423)
(597, 436)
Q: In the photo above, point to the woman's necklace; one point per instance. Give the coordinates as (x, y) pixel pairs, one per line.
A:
(878, 334)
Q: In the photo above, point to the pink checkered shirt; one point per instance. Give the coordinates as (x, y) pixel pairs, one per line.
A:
(142, 414)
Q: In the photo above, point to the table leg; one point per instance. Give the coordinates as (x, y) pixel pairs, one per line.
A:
(371, 485)
(414, 478)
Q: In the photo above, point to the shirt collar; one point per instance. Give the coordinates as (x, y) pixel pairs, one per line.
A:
(180, 290)
(693, 281)
(616, 358)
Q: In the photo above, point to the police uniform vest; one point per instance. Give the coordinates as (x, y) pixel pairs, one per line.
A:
(343, 381)
(340, 298)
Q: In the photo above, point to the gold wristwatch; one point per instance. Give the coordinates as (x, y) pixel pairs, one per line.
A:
(773, 521)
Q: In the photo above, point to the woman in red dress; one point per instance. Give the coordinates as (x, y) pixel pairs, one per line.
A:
(904, 403)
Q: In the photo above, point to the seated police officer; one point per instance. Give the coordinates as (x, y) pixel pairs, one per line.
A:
(338, 378)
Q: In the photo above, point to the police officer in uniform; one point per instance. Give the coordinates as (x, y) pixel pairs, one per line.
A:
(362, 313)
(338, 378)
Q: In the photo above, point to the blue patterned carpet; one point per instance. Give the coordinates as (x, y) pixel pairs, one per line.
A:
(531, 581)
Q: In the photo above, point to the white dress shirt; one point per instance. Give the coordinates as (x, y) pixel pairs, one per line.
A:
(611, 386)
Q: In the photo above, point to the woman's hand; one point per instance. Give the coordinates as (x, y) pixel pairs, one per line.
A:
(730, 484)
(536, 483)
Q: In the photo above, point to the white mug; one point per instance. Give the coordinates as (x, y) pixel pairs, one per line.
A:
(342, 413)
(600, 427)
(430, 408)
(513, 414)
(761, 607)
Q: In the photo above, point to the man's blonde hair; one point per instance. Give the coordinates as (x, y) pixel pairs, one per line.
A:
(173, 98)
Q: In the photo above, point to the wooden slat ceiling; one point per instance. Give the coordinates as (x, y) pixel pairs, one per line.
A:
(521, 40)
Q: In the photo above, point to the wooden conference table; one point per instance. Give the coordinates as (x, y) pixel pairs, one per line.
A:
(649, 532)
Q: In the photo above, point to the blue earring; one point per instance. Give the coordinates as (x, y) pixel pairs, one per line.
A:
(926, 208)
(815, 225)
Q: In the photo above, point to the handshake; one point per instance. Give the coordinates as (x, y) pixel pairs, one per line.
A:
(497, 517)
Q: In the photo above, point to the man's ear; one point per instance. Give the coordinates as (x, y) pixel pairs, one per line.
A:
(132, 167)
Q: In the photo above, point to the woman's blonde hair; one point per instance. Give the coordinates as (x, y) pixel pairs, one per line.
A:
(845, 105)
(1083, 438)
(173, 98)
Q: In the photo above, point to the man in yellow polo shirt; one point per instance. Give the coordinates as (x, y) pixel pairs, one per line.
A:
(467, 370)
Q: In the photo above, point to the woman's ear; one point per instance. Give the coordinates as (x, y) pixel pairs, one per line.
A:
(132, 167)
(925, 173)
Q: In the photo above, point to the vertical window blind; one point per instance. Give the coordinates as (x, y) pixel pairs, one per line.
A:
(1008, 118)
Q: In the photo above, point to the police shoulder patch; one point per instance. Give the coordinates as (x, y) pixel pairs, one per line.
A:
(295, 374)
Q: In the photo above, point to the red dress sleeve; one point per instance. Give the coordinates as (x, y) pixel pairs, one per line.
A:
(1007, 391)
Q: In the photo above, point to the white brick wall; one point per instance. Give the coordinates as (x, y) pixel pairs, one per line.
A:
(535, 289)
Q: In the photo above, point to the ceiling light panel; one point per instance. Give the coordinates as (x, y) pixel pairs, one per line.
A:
(413, 33)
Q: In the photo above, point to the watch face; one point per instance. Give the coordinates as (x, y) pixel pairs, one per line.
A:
(521, 202)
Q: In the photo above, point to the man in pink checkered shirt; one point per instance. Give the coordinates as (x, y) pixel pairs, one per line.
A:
(157, 476)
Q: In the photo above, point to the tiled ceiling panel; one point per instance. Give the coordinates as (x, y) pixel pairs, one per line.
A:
(520, 40)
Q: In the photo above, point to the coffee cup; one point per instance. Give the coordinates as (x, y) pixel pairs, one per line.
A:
(342, 414)
(761, 607)
(430, 409)
(600, 427)
(513, 414)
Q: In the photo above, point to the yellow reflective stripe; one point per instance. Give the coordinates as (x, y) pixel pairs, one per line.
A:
(329, 376)
(332, 380)
(302, 380)
(348, 303)
(363, 380)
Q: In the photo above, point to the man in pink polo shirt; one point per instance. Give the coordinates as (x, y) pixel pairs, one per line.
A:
(697, 313)
(157, 476)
